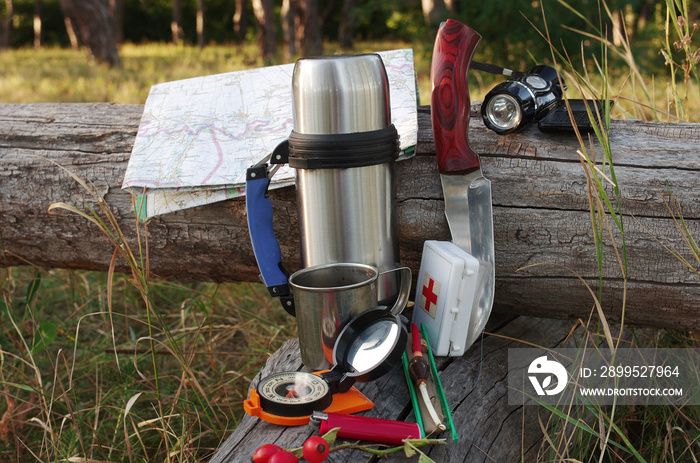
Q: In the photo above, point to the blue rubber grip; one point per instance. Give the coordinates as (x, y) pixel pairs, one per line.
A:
(262, 235)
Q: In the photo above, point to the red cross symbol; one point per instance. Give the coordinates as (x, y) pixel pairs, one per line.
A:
(428, 293)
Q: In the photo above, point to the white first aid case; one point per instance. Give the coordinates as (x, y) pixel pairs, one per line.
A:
(445, 295)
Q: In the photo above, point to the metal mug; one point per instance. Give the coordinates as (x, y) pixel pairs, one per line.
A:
(329, 295)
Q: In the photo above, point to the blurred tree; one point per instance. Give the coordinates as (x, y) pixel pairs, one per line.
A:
(508, 37)
(389, 19)
(176, 23)
(267, 36)
(6, 39)
(116, 8)
(301, 28)
(288, 30)
(346, 28)
(240, 20)
(37, 24)
(434, 11)
(93, 23)
(72, 36)
(308, 27)
(200, 24)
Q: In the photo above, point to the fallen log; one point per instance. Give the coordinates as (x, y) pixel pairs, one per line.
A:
(489, 428)
(545, 254)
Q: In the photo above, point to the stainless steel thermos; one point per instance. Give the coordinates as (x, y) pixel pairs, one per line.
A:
(343, 147)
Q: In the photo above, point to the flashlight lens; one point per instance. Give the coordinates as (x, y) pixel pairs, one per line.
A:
(504, 112)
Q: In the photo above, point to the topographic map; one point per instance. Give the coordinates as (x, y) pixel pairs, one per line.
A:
(198, 136)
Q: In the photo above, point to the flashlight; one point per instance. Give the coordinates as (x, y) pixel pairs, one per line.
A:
(520, 100)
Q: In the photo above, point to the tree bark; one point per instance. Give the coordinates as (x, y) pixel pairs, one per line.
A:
(288, 30)
(72, 36)
(117, 11)
(267, 37)
(37, 23)
(200, 24)
(92, 20)
(240, 20)
(6, 38)
(489, 428)
(433, 11)
(176, 23)
(308, 27)
(346, 32)
(542, 223)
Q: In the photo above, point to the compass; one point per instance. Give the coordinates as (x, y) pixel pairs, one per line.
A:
(294, 393)
(368, 346)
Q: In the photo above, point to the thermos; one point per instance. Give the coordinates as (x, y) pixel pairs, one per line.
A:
(344, 148)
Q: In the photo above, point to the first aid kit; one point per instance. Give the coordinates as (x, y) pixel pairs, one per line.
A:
(445, 295)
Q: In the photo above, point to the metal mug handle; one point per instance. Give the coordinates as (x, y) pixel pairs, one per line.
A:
(404, 288)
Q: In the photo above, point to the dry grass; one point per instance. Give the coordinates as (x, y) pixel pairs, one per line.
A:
(81, 379)
(106, 367)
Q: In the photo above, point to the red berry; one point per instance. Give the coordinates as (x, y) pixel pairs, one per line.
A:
(263, 453)
(283, 457)
(315, 449)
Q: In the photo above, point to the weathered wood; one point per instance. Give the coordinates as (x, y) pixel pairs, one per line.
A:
(476, 387)
(540, 196)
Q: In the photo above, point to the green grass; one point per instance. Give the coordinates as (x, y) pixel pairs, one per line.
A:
(112, 367)
(63, 75)
(629, 433)
(31, 75)
(70, 365)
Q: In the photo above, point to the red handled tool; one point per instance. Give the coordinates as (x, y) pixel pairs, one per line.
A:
(367, 428)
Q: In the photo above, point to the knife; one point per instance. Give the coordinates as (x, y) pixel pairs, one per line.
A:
(467, 192)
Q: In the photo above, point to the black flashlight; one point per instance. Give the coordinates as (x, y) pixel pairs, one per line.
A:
(520, 100)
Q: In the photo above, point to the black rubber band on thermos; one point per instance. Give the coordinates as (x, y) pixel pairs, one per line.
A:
(343, 150)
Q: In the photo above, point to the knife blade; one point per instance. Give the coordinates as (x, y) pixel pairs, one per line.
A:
(467, 192)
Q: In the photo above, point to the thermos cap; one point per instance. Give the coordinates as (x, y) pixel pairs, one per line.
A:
(340, 94)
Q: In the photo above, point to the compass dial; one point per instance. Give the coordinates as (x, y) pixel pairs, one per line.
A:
(294, 394)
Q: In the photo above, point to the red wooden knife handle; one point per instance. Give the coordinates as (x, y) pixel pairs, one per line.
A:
(449, 97)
